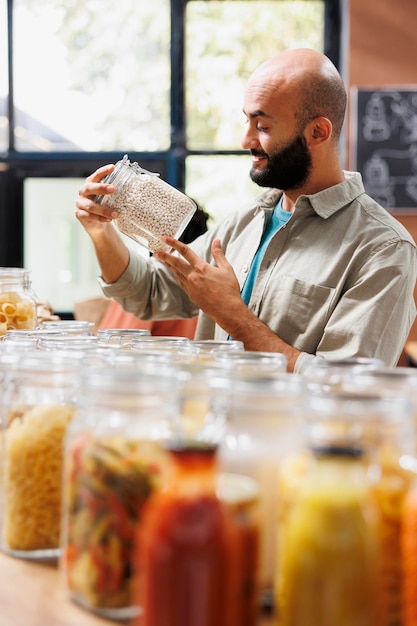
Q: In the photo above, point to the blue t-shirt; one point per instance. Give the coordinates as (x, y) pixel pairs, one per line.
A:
(278, 219)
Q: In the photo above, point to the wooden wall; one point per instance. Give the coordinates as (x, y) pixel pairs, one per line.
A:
(382, 50)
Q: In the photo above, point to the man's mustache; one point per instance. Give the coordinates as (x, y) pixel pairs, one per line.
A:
(258, 153)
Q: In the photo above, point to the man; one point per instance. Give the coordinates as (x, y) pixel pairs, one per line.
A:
(316, 269)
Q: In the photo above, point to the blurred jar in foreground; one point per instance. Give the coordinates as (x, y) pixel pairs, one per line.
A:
(121, 336)
(17, 301)
(113, 462)
(263, 426)
(385, 380)
(38, 405)
(20, 343)
(205, 349)
(196, 554)
(162, 342)
(73, 327)
(396, 523)
(328, 374)
(201, 409)
(409, 558)
(249, 362)
(50, 342)
(340, 561)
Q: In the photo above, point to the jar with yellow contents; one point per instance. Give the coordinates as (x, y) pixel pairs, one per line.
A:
(17, 301)
(336, 563)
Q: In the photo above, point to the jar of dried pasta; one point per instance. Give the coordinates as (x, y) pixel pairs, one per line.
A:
(38, 404)
(113, 462)
(148, 206)
(17, 300)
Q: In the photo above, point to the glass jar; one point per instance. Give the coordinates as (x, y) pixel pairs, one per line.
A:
(205, 349)
(409, 557)
(386, 380)
(19, 342)
(195, 560)
(339, 533)
(38, 404)
(263, 426)
(73, 327)
(123, 337)
(246, 361)
(50, 341)
(17, 302)
(148, 206)
(113, 462)
(326, 374)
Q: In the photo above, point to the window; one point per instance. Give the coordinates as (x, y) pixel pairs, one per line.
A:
(161, 81)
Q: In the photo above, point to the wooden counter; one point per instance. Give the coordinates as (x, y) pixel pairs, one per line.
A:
(32, 594)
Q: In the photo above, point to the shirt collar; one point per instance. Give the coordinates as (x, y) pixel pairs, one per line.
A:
(325, 203)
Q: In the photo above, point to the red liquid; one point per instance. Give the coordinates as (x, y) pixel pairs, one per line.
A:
(185, 564)
(195, 558)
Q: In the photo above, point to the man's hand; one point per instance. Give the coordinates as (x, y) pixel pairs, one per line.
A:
(112, 254)
(94, 217)
(214, 289)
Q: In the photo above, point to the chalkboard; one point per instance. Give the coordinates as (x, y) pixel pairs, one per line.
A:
(384, 142)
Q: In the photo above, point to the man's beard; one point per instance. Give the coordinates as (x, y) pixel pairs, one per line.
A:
(287, 169)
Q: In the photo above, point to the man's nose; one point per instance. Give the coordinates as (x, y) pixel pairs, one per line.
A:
(249, 139)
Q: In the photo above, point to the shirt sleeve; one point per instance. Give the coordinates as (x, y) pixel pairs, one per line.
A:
(148, 290)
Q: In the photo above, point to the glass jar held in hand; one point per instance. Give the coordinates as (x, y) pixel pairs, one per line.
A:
(148, 207)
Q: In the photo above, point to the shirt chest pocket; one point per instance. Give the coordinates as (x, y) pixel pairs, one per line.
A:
(299, 311)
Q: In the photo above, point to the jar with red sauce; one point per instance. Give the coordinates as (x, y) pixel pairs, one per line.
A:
(194, 557)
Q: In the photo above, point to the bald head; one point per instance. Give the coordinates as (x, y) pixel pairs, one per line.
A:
(312, 82)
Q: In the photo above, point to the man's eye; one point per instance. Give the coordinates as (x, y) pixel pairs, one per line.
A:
(261, 128)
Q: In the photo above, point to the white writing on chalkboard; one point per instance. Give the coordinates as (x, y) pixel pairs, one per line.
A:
(385, 145)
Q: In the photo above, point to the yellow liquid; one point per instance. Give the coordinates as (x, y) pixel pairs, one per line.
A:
(326, 575)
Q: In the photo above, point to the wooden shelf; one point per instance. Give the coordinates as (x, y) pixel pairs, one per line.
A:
(33, 594)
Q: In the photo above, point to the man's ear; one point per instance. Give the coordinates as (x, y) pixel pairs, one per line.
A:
(319, 129)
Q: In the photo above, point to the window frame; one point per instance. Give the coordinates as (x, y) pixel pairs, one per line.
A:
(16, 166)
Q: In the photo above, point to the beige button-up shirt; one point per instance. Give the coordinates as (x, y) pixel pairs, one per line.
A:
(336, 281)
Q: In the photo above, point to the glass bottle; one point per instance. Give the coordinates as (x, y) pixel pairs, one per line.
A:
(17, 303)
(339, 560)
(113, 462)
(192, 560)
(38, 403)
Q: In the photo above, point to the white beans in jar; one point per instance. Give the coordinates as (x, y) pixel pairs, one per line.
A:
(148, 206)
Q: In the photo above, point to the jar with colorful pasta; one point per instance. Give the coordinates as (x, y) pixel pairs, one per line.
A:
(17, 300)
(113, 462)
(38, 402)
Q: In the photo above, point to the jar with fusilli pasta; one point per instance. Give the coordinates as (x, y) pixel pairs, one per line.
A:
(38, 403)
